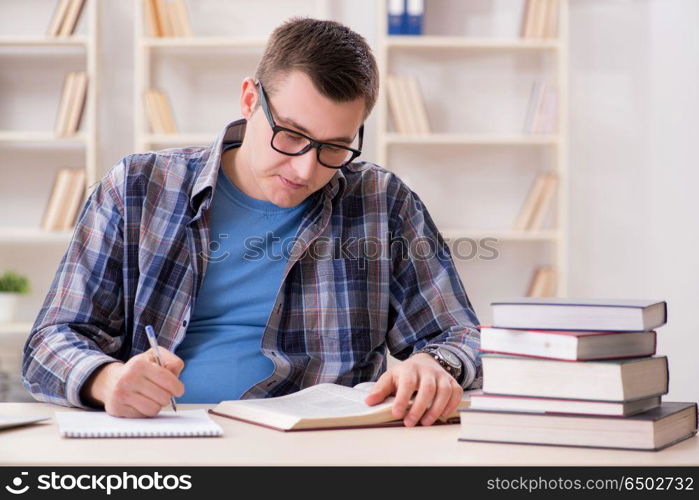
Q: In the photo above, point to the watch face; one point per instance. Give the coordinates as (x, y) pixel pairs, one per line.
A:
(450, 357)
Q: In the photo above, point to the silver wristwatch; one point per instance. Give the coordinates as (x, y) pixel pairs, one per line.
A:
(447, 359)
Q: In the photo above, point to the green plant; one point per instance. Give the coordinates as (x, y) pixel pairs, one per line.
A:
(13, 283)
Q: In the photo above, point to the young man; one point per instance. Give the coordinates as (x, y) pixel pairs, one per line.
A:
(266, 263)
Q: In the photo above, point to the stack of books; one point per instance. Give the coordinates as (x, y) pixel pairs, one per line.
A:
(65, 201)
(576, 372)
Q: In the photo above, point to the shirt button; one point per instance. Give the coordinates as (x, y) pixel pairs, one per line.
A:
(184, 323)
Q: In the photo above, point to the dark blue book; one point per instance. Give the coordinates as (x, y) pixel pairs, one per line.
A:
(396, 17)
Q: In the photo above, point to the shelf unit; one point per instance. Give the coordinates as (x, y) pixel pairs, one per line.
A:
(556, 144)
(147, 48)
(87, 138)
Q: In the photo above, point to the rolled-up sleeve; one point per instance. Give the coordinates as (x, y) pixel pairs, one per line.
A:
(428, 303)
(81, 323)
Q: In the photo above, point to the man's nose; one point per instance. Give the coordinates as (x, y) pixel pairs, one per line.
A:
(305, 164)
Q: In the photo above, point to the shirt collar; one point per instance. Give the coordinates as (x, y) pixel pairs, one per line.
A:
(206, 178)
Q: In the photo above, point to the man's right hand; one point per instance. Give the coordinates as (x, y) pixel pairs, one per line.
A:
(138, 388)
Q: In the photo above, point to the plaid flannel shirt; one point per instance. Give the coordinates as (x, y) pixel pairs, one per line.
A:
(354, 284)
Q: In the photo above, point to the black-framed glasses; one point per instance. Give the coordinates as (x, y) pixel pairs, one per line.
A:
(294, 143)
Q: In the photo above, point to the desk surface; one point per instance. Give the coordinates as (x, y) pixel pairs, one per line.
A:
(246, 444)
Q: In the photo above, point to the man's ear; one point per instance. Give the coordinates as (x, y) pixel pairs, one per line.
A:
(248, 97)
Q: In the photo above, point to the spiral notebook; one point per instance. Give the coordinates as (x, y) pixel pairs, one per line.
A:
(183, 423)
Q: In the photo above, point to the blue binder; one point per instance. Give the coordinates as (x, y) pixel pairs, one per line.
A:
(414, 16)
(396, 17)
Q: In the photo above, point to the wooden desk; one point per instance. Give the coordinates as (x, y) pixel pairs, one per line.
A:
(245, 444)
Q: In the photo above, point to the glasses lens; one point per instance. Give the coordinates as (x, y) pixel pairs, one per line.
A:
(289, 142)
(333, 156)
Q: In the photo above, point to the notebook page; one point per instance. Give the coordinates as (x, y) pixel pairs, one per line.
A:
(166, 424)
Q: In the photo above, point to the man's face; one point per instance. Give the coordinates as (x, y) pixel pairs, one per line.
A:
(287, 180)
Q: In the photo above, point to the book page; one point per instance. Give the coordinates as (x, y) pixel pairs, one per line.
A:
(318, 401)
(365, 387)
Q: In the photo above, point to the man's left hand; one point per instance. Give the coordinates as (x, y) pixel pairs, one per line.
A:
(438, 393)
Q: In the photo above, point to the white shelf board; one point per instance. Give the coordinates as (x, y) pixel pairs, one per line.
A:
(16, 327)
(455, 42)
(33, 235)
(501, 235)
(475, 139)
(43, 41)
(19, 136)
(204, 42)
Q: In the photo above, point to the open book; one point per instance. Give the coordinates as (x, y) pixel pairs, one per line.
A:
(322, 406)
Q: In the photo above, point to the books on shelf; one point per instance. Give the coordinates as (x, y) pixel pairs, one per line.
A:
(654, 429)
(414, 16)
(540, 19)
(543, 282)
(322, 406)
(74, 200)
(568, 345)
(166, 18)
(65, 18)
(407, 105)
(537, 206)
(59, 15)
(579, 314)
(159, 112)
(72, 105)
(405, 17)
(572, 387)
(498, 402)
(542, 109)
(65, 200)
(617, 380)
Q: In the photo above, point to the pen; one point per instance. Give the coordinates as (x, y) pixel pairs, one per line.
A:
(154, 345)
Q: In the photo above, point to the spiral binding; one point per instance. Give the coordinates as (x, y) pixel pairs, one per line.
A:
(204, 433)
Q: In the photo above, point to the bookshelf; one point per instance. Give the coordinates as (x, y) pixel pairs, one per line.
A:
(152, 55)
(31, 153)
(507, 152)
(86, 140)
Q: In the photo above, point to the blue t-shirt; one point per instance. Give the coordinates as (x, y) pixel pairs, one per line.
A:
(221, 348)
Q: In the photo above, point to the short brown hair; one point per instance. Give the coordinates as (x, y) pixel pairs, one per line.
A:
(338, 61)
